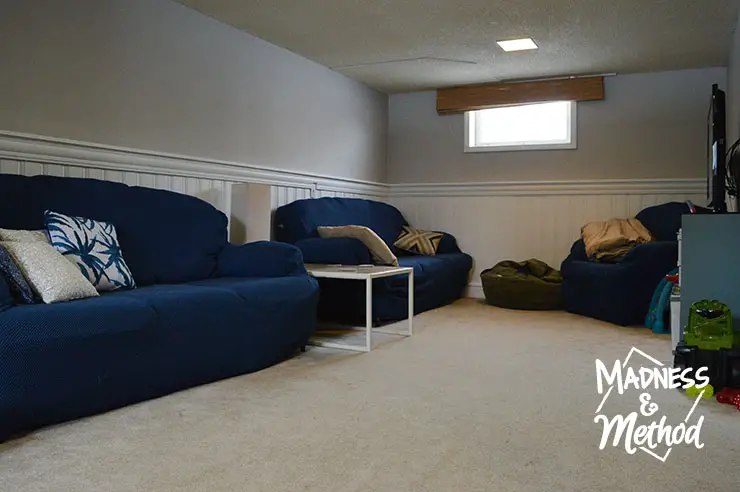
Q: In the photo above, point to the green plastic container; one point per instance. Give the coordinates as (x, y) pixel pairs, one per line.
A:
(710, 326)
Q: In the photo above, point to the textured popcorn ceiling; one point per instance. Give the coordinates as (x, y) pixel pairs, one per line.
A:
(404, 45)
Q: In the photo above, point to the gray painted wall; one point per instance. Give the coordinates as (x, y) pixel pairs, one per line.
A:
(733, 98)
(733, 88)
(649, 126)
(154, 75)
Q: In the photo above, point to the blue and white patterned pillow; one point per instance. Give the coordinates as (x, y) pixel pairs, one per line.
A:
(92, 246)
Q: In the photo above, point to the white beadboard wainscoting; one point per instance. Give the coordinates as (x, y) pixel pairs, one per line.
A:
(518, 221)
(492, 221)
(210, 180)
(214, 191)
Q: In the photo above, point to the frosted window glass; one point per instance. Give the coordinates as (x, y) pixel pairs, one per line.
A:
(520, 126)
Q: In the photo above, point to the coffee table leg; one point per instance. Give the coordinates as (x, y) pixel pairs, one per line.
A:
(368, 314)
(411, 303)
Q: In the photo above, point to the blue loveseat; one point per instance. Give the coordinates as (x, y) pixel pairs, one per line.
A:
(438, 280)
(203, 309)
(620, 293)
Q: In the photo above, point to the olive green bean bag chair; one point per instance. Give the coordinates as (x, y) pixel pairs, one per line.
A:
(531, 284)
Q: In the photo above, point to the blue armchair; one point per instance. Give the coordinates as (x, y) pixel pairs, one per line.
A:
(620, 293)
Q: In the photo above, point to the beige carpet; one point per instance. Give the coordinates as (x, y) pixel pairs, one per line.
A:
(480, 399)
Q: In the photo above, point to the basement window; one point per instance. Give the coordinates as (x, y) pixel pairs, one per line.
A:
(537, 126)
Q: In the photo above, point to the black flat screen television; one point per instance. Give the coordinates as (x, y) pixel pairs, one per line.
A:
(716, 152)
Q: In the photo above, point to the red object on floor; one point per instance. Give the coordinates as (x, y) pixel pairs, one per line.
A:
(729, 396)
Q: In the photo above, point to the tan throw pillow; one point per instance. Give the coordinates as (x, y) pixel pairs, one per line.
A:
(381, 253)
(418, 241)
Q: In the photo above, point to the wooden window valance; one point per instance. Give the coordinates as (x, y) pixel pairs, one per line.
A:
(482, 96)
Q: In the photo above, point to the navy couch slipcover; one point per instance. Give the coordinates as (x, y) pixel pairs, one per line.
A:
(620, 293)
(438, 280)
(6, 299)
(204, 309)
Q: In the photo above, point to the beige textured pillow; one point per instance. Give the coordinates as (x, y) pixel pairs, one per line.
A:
(49, 273)
(381, 253)
(23, 236)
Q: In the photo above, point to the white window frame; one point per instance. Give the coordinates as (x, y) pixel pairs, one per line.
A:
(572, 144)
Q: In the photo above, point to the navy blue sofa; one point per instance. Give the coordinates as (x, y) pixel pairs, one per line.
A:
(620, 293)
(438, 280)
(203, 309)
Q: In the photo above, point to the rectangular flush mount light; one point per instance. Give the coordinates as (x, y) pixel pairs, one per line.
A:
(517, 44)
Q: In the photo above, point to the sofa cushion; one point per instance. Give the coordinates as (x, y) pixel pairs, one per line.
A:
(427, 268)
(438, 280)
(185, 306)
(300, 219)
(64, 361)
(92, 246)
(166, 237)
(59, 361)
(268, 293)
(205, 303)
(198, 316)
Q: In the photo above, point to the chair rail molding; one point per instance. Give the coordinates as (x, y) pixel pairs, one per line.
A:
(51, 150)
(656, 186)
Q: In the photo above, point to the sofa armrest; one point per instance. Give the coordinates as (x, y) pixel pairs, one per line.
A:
(336, 250)
(660, 255)
(646, 261)
(656, 256)
(260, 259)
(448, 244)
(577, 253)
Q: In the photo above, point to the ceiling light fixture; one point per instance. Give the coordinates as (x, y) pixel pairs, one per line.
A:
(517, 44)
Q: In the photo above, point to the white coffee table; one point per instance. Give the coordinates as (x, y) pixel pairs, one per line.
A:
(366, 273)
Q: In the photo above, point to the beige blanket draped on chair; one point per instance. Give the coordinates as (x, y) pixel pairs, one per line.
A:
(613, 238)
